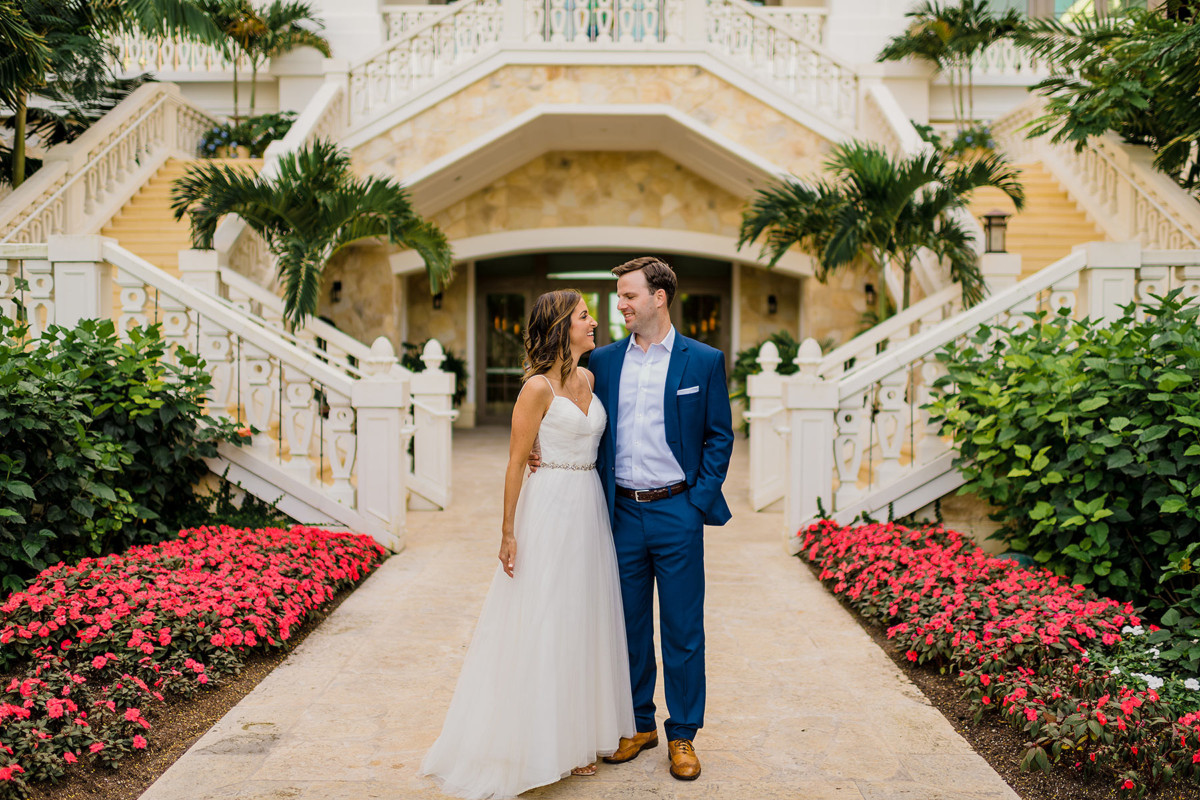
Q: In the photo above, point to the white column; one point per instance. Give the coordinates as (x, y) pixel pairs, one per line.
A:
(1000, 270)
(380, 402)
(695, 22)
(811, 403)
(82, 279)
(201, 270)
(1110, 278)
(767, 448)
(433, 419)
(512, 14)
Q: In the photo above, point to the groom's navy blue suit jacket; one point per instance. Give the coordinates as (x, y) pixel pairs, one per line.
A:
(699, 425)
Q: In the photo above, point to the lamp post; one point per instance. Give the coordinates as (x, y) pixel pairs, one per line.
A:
(995, 231)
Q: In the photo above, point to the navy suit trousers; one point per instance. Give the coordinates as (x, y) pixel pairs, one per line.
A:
(662, 542)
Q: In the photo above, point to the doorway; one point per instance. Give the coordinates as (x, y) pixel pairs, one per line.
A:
(506, 288)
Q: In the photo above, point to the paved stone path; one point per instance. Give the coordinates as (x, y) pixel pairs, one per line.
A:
(801, 702)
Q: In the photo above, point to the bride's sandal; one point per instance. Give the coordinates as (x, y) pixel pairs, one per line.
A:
(587, 771)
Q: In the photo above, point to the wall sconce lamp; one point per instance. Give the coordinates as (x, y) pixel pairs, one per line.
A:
(995, 227)
(869, 291)
(437, 300)
(335, 292)
(772, 304)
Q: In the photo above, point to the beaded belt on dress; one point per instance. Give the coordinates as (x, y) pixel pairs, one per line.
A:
(576, 467)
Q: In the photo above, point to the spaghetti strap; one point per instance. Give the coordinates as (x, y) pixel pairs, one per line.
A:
(551, 385)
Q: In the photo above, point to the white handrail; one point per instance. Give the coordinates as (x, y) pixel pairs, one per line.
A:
(229, 319)
(866, 343)
(1115, 182)
(85, 182)
(923, 344)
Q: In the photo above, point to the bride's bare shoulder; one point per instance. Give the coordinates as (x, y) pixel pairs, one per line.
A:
(591, 379)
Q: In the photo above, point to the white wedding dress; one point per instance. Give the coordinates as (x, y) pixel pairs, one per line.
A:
(544, 686)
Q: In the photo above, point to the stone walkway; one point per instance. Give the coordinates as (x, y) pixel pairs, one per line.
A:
(801, 702)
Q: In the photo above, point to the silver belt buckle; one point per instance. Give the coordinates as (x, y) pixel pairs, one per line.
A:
(637, 496)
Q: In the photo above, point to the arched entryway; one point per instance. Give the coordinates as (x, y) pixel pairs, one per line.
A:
(507, 286)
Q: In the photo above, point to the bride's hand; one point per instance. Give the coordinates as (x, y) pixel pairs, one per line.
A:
(508, 553)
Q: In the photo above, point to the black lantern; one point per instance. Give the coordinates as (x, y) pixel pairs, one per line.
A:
(869, 291)
(437, 300)
(772, 304)
(995, 227)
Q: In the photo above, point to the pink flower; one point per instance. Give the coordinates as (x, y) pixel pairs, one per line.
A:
(96, 747)
(98, 662)
(69, 757)
(139, 742)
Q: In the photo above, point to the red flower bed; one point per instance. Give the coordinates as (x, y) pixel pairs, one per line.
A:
(1019, 639)
(88, 649)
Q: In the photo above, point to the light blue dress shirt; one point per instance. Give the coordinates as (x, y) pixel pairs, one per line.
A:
(643, 459)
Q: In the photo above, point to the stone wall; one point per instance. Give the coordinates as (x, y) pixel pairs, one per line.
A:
(368, 306)
(757, 323)
(510, 91)
(564, 189)
(833, 310)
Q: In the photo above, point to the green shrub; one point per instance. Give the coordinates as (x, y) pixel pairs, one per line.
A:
(100, 442)
(254, 133)
(1087, 437)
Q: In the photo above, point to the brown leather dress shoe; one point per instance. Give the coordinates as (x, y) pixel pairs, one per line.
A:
(685, 765)
(629, 748)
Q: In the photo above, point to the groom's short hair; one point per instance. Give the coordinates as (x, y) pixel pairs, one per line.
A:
(658, 274)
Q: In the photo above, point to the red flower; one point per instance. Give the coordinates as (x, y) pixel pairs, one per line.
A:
(139, 742)
(96, 747)
(69, 757)
(1128, 784)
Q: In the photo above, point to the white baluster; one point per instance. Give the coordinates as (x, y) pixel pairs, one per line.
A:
(433, 417)
(299, 422)
(217, 351)
(764, 392)
(340, 447)
(891, 424)
(848, 446)
(1191, 283)
(650, 19)
(603, 16)
(535, 20)
(133, 297)
(259, 397)
(40, 297)
(580, 19)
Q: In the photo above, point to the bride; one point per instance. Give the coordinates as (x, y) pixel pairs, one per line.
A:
(544, 687)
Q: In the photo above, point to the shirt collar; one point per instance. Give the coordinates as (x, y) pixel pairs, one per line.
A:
(668, 342)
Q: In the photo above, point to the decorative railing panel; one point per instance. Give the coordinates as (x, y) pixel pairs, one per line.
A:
(135, 54)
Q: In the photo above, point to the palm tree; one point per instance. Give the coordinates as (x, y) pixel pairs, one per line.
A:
(880, 210)
(312, 208)
(283, 30)
(63, 48)
(239, 24)
(952, 37)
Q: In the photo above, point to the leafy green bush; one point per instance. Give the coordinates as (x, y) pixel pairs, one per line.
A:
(254, 133)
(100, 442)
(1087, 436)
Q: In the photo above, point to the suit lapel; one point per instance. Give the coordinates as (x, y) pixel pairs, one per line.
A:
(612, 389)
(675, 367)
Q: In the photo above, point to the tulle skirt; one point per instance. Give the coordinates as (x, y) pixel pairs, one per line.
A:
(544, 686)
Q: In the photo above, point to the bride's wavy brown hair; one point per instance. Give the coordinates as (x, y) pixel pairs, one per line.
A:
(548, 334)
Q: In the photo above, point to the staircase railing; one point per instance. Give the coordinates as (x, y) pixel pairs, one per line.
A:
(82, 185)
(779, 46)
(328, 445)
(1115, 183)
(136, 53)
(862, 442)
(431, 388)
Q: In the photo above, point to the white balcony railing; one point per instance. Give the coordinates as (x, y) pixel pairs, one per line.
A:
(780, 46)
(136, 53)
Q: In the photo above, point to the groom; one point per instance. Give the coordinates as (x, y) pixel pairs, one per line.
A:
(662, 460)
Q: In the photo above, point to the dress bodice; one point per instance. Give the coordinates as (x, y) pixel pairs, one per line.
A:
(568, 437)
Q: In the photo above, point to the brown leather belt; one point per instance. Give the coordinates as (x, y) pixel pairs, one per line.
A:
(646, 495)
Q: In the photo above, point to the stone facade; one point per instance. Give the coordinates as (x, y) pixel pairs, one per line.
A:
(565, 189)
(368, 303)
(494, 100)
(757, 322)
(833, 310)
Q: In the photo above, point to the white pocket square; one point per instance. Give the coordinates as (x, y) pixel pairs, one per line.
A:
(688, 390)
